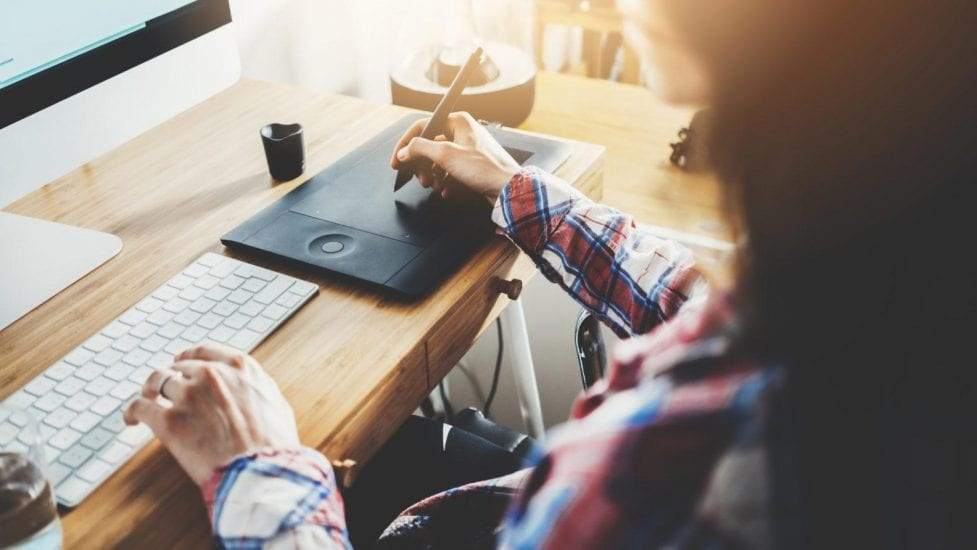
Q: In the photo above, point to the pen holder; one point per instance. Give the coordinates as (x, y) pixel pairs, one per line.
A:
(284, 150)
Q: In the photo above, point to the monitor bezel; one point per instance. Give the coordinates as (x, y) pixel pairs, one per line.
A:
(162, 34)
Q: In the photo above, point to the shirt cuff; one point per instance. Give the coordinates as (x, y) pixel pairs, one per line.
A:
(254, 493)
(532, 206)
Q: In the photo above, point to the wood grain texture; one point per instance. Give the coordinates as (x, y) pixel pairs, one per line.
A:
(636, 127)
(353, 363)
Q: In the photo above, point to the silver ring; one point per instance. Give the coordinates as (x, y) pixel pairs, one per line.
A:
(162, 384)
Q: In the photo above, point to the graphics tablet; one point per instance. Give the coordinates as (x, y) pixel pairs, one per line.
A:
(347, 219)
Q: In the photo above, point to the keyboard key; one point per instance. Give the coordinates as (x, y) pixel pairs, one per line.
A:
(149, 305)
(135, 436)
(73, 489)
(66, 437)
(75, 456)
(8, 433)
(133, 317)
(114, 423)
(100, 386)
(203, 305)
(191, 293)
(125, 390)
(56, 471)
(223, 270)
(244, 271)
(274, 311)
(39, 386)
(60, 418)
(138, 357)
(196, 270)
(50, 401)
(70, 386)
(274, 289)
(253, 285)
(140, 375)
(221, 334)
(85, 421)
(126, 344)
(177, 305)
(160, 317)
(194, 334)
(108, 357)
(210, 321)
(237, 321)
(59, 371)
(160, 360)
(264, 274)
(232, 282)
(154, 343)
(289, 299)
(97, 343)
(51, 454)
(165, 293)
(20, 400)
(224, 308)
(177, 346)
(80, 402)
(260, 324)
(97, 438)
(171, 330)
(180, 282)
(143, 330)
(118, 372)
(115, 329)
(244, 340)
(116, 452)
(206, 282)
(78, 357)
(240, 296)
(89, 371)
(303, 288)
(252, 308)
(210, 259)
(217, 294)
(105, 405)
(186, 318)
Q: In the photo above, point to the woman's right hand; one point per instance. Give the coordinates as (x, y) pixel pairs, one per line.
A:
(467, 155)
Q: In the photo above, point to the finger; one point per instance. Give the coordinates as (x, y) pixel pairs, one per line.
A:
(412, 132)
(460, 121)
(445, 193)
(426, 179)
(166, 383)
(212, 352)
(425, 150)
(147, 411)
(190, 368)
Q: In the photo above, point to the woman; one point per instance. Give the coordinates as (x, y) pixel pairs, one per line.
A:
(825, 400)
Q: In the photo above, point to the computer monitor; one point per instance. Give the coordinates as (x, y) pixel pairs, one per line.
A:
(78, 79)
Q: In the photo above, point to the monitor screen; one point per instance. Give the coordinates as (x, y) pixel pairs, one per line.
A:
(53, 49)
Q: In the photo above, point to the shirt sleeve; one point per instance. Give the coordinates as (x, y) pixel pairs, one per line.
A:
(277, 498)
(628, 277)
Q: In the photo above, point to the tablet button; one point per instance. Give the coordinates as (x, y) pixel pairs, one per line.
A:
(332, 247)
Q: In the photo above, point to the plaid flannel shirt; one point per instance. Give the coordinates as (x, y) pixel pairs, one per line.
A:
(663, 451)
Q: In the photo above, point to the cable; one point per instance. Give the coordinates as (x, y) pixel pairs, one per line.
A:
(495, 375)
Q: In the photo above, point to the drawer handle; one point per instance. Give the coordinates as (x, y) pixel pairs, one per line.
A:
(345, 471)
(511, 288)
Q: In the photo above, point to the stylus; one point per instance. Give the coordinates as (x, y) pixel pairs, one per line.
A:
(437, 125)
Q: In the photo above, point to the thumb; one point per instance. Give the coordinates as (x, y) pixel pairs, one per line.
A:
(420, 149)
(147, 411)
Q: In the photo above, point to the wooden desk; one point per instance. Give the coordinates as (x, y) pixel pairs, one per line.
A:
(352, 363)
(636, 128)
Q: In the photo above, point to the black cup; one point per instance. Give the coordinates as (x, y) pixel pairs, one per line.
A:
(284, 149)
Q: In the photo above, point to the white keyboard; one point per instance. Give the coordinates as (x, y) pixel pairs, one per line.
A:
(78, 401)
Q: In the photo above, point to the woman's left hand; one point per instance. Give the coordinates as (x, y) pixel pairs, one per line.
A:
(221, 404)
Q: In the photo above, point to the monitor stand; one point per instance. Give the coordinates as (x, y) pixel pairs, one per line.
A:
(42, 258)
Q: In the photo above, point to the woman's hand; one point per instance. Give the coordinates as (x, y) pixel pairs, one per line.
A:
(467, 155)
(222, 404)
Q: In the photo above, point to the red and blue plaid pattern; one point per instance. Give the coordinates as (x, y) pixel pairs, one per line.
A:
(658, 453)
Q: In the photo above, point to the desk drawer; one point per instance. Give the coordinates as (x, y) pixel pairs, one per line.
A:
(457, 333)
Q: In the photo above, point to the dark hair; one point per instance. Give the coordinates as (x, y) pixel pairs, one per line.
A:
(850, 160)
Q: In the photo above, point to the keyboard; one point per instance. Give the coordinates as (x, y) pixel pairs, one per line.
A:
(78, 401)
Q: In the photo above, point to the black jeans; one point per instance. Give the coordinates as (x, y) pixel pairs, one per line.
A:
(414, 465)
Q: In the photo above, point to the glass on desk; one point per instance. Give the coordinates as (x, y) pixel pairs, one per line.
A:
(28, 513)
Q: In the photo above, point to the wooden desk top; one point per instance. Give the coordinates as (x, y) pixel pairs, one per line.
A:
(636, 127)
(352, 363)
